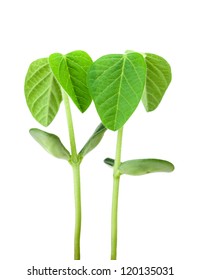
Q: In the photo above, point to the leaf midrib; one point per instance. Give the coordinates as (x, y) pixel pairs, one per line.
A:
(49, 98)
(71, 84)
(119, 91)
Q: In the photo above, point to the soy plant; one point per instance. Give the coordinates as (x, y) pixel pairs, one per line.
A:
(117, 83)
(48, 82)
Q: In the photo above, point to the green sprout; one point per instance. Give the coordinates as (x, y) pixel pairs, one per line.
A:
(48, 82)
(117, 83)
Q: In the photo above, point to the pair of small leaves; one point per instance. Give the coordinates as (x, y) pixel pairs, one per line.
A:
(117, 83)
(52, 144)
(142, 166)
(47, 76)
(71, 72)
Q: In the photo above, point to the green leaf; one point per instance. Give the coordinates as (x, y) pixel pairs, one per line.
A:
(42, 92)
(70, 71)
(94, 140)
(142, 166)
(116, 83)
(158, 79)
(109, 161)
(51, 143)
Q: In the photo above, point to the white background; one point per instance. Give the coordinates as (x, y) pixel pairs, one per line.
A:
(159, 214)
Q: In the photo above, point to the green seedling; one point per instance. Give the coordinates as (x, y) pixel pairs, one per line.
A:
(117, 83)
(48, 82)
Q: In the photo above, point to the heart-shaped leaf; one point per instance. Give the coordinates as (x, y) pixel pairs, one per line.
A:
(51, 143)
(116, 83)
(142, 166)
(70, 71)
(94, 140)
(42, 92)
(158, 79)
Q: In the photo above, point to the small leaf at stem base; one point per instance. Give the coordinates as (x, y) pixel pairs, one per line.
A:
(94, 140)
(142, 166)
(109, 161)
(51, 143)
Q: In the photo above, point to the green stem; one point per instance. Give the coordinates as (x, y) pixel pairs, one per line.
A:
(77, 197)
(75, 163)
(116, 180)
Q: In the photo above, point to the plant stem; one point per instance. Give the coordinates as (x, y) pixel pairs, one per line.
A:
(77, 197)
(116, 180)
(75, 163)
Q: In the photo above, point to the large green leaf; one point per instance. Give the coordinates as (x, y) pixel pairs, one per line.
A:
(93, 141)
(116, 83)
(42, 92)
(158, 79)
(51, 143)
(142, 166)
(71, 72)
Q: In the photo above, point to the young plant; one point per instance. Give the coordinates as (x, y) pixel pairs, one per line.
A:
(47, 83)
(117, 83)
